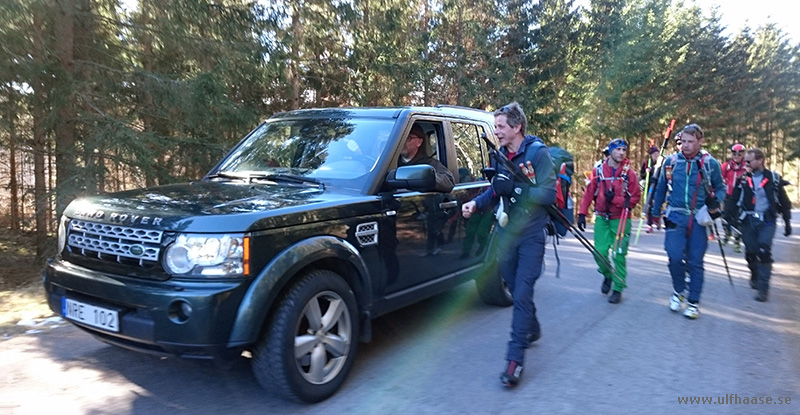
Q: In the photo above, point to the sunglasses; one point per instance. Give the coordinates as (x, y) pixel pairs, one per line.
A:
(736, 153)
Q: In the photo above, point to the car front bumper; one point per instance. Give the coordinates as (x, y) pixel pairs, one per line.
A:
(148, 317)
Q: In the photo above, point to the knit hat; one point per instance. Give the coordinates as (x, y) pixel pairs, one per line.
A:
(653, 149)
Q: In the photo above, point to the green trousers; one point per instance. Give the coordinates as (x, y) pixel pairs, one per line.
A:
(605, 235)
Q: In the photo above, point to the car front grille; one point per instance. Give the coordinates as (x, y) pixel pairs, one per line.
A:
(114, 243)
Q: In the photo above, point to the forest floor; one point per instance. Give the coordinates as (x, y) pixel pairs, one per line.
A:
(22, 301)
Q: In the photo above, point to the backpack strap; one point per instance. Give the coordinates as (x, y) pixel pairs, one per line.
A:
(776, 181)
(530, 153)
(598, 175)
(669, 164)
(626, 169)
(706, 172)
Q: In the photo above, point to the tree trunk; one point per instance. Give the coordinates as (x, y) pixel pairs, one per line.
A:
(66, 160)
(295, 56)
(148, 107)
(39, 143)
(12, 167)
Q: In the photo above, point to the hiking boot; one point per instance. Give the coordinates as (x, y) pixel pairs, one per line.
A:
(615, 297)
(675, 302)
(737, 247)
(650, 229)
(606, 285)
(691, 311)
(535, 334)
(761, 297)
(512, 374)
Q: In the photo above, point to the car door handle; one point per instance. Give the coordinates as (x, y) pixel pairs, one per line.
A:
(448, 205)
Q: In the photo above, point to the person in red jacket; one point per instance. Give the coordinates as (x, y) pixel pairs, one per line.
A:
(615, 191)
(732, 170)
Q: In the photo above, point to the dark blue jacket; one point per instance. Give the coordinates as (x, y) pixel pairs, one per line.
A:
(531, 209)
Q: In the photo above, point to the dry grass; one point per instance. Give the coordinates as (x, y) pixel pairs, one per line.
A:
(26, 303)
(21, 291)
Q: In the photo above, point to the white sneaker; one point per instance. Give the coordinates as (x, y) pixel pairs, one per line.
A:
(691, 311)
(675, 302)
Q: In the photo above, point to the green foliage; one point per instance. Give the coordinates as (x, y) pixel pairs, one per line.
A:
(157, 94)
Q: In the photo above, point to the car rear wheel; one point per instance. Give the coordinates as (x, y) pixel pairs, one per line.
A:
(308, 348)
(493, 290)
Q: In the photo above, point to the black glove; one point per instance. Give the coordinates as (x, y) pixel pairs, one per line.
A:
(712, 203)
(502, 185)
(582, 222)
(716, 214)
(787, 228)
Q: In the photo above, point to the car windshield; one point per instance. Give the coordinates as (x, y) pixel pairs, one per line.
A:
(333, 151)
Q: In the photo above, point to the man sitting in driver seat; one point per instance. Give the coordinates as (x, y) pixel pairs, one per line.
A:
(411, 155)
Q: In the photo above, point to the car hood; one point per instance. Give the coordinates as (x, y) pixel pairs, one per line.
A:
(212, 206)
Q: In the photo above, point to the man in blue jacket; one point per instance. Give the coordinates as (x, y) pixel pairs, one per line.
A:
(688, 181)
(522, 233)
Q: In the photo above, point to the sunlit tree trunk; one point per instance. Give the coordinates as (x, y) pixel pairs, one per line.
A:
(66, 160)
(39, 142)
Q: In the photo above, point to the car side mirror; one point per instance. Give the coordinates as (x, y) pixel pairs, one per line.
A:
(419, 178)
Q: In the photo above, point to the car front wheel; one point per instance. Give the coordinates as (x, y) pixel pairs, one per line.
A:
(308, 348)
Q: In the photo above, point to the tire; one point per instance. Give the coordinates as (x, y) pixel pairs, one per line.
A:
(308, 348)
(493, 290)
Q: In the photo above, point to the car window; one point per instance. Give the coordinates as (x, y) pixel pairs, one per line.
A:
(431, 146)
(339, 151)
(471, 151)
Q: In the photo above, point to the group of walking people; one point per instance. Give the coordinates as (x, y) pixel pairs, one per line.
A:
(688, 186)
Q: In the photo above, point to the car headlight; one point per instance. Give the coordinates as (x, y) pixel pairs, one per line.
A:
(62, 234)
(209, 255)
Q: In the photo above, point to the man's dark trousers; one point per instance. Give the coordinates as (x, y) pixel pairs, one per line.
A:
(521, 255)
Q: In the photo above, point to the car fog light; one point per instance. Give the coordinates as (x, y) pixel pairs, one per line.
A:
(180, 311)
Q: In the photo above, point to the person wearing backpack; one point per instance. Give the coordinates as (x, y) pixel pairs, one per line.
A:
(760, 197)
(615, 191)
(565, 169)
(683, 180)
(522, 234)
(648, 171)
(732, 170)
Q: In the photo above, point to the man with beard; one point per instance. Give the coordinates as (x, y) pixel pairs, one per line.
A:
(614, 190)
